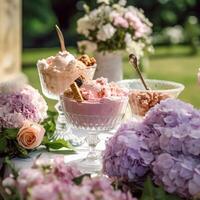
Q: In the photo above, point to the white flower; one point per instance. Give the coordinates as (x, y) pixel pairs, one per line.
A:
(103, 1)
(84, 24)
(106, 32)
(87, 45)
(134, 47)
(122, 2)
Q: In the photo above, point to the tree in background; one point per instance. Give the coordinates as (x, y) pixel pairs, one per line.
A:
(40, 16)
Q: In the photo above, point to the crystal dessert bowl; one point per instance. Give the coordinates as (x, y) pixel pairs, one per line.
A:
(56, 73)
(141, 100)
(95, 117)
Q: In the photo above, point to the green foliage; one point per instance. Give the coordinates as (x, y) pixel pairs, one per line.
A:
(10, 147)
(151, 192)
(49, 124)
(78, 180)
(8, 144)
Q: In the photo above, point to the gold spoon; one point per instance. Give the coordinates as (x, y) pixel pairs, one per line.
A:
(61, 38)
(134, 62)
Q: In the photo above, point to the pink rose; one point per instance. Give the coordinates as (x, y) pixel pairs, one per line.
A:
(121, 22)
(30, 135)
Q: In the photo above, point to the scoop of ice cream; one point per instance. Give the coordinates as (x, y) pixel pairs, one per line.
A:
(100, 88)
(63, 61)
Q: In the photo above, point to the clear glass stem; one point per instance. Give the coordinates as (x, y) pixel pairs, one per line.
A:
(61, 123)
(63, 129)
(92, 140)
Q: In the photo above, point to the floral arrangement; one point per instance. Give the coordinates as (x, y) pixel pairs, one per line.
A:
(112, 26)
(24, 122)
(164, 146)
(56, 180)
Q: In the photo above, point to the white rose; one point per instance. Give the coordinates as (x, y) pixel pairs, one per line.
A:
(84, 24)
(87, 45)
(122, 2)
(103, 1)
(136, 48)
(106, 32)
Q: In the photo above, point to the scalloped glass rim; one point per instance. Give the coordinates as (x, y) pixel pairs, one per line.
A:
(175, 87)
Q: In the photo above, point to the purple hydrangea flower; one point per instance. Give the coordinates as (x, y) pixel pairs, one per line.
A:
(23, 104)
(178, 175)
(127, 157)
(177, 127)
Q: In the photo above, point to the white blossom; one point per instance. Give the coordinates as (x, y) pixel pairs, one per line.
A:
(136, 48)
(106, 32)
(103, 1)
(84, 25)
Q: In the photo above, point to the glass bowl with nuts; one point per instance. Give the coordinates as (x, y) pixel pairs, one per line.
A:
(141, 100)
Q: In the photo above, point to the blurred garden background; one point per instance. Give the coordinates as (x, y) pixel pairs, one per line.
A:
(176, 36)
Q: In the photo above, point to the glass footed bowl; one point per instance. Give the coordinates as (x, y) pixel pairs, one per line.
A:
(95, 118)
(94, 115)
(53, 84)
(141, 100)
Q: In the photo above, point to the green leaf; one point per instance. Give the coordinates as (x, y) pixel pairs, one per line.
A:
(49, 124)
(10, 133)
(57, 144)
(3, 144)
(63, 152)
(148, 191)
(151, 192)
(78, 180)
(21, 151)
(8, 162)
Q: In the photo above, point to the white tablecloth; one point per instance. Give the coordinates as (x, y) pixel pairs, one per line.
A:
(81, 152)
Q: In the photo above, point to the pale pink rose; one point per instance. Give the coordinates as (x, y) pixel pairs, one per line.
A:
(30, 135)
(135, 22)
(120, 21)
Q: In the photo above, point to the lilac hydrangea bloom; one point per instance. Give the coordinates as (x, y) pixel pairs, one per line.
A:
(127, 157)
(178, 175)
(23, 104)
(170, 113)
(177, 127)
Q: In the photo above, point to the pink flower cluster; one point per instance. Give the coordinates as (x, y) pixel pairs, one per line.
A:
(53, 181)
(131, 20)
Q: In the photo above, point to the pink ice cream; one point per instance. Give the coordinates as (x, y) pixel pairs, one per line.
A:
(104, 106)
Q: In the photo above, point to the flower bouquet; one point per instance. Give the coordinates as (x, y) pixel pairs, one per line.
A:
(25, 123)
(110, 28)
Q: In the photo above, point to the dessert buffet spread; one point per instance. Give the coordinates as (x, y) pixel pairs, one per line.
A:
(158, 146)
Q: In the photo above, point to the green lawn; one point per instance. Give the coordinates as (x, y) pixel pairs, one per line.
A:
(169, 63)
